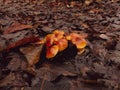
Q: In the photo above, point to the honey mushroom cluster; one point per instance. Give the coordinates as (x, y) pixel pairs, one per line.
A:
(58, 41)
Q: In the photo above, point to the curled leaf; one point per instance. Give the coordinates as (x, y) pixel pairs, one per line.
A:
(16, 27)
(62, 43)
(52, 51)
(21, 42)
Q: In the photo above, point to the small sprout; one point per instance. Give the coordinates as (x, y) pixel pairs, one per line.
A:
(52, 51)
(62, 43)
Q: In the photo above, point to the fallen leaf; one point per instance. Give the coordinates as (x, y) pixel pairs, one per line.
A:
(50, 72)
(52, 51)
(88, 2)
(73, 3)
(95, 10)
(13, 79)
(2, 44)
(85, 25)
(17, 62)
(89, 81)
(16, 27)
(104, 36)
(20, 42)
(32, 53)
(7, 80)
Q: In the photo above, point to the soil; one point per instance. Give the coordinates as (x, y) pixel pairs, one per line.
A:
(23, 22)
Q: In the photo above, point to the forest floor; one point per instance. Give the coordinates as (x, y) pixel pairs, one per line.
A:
(23, 22)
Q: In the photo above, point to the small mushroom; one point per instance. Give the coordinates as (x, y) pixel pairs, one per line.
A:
(62, 43)
(49, 39)
(52, 51)
(58, 34)
(78, 40)
(80, 43)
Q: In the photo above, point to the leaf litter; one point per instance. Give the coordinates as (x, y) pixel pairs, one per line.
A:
(95, 69)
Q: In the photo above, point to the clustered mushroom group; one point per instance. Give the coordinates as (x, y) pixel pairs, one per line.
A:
(58, 41)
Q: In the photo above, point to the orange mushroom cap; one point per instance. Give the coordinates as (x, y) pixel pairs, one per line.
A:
(58, 34)
(81, 43)
(52, 51)
(78, 40)
(68, 37)
(62, 43)
(49, 39)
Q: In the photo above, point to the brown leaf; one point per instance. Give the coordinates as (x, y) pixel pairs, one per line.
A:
(17, 62)
(50, 72)
(7, 80)
(2, 44)
(88, 2)
(16, 27)
(13, 79)
(20, 42)
(104, 36)
(32, 53)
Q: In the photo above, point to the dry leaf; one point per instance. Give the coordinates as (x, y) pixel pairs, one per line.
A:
(23, 41)
(88, 2)
(16, 27)
(51, 71)
(104, 36)
(32, 53)
(72, 4)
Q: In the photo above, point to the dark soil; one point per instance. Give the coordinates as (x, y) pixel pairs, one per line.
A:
(98, 68)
